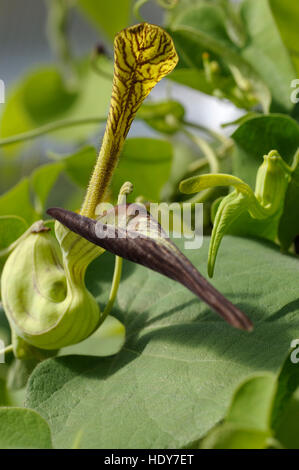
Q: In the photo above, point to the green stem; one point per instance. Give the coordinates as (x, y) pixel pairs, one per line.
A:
(206, 149)
(125, 190)
(221, 138)
(198, 165)
(210, 157)
(48, 128)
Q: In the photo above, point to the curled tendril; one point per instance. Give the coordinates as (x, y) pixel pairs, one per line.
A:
(265, 203)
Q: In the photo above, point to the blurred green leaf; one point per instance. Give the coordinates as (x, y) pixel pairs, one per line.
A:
(287, 384)
(262, 60)
(286, 14)
(45, 95)
(17, 202)
(23, 429)
(11, 228)
(41, 97)
(266, 52)
(224, 86)
(110, 16)
(204, 27)
(42, 181)
(288, 430)
(19, 373)
(93, 99)
(14, 118)
(147, 164)
(16, 209)
(4, 399)
(78, 165)
(164, 116)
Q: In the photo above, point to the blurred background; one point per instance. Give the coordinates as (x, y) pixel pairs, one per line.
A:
(25, 46)
(24, 43)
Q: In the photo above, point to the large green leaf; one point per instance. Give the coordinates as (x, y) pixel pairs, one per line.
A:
(109, 16)
(174, 378)
(257, 136)
(23, 429)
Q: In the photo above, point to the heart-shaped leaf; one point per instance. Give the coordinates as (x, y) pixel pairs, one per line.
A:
(175, 377)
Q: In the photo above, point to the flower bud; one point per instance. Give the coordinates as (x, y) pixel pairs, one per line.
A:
(43, 290)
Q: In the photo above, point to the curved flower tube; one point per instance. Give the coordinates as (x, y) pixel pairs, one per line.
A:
(265, 203)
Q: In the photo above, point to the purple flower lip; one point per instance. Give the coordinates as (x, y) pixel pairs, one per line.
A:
(158, 254)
